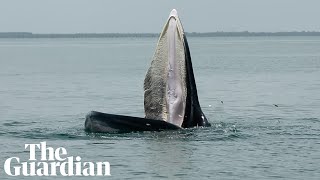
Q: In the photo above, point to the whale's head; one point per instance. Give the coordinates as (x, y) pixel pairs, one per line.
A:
(170, 92)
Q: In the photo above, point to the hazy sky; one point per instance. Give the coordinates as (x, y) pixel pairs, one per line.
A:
(73, 16)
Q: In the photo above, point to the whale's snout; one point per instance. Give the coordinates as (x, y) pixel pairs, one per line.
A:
(173, 13)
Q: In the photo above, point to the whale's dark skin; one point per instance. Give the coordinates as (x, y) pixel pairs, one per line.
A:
(194, 115)
(111, 123)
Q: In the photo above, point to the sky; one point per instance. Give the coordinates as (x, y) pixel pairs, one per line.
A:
(148, 16)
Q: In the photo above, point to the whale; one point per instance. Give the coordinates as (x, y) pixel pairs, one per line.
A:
(170, 93)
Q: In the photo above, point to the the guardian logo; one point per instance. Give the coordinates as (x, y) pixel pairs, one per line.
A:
(53, 162)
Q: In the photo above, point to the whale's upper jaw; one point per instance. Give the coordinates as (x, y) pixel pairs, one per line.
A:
(169, 89)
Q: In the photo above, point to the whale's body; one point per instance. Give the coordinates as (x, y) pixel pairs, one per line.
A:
(170, 92)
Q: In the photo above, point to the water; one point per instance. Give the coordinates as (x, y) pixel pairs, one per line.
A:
(48, 86)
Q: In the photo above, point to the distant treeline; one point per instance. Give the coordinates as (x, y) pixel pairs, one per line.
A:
(119, 35)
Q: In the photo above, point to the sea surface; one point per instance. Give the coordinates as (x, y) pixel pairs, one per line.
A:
(261, 95)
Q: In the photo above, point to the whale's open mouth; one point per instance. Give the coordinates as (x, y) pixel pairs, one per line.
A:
(169, 89)
(170, 92)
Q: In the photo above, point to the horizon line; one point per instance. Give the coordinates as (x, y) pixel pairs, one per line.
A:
(135, 34)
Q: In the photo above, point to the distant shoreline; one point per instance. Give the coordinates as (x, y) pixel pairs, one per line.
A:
(137, 35)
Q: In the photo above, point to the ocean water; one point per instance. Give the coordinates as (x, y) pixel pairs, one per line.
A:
(261, 94)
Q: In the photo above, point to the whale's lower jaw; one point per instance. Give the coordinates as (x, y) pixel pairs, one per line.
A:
(165, 86)
(98, 122)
